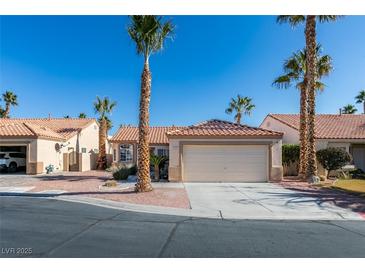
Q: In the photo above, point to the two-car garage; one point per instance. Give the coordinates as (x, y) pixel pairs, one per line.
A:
(220, 151)
(234, 163)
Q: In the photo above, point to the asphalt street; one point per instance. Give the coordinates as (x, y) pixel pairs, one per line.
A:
(39, 227)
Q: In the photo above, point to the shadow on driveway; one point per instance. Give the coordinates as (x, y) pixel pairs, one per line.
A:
(321, 196)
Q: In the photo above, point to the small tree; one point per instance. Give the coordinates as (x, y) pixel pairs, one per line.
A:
(156, 161)
(333, 158)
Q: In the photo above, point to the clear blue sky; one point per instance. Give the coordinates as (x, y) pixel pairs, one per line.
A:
(58, 64)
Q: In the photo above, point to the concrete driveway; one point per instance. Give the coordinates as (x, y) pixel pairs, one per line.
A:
(262, 201)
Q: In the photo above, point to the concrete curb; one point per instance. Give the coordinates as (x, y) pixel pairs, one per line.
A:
(142, 208)
(195, 213)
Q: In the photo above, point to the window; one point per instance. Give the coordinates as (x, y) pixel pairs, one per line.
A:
(2, 156)
(83, 150)
(163, 152)
(126, 153)
(114, 154)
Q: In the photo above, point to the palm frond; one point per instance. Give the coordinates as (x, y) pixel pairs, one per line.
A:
(283, 81)
(328, 18)
(360, 98)
(349, 109)
(293, 20)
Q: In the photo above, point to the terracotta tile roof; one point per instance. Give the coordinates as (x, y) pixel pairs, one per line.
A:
(54, 128)
(330, 126)
(130, 134)
(216, 128)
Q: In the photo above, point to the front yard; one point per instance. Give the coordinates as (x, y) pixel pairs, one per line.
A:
(91, 184)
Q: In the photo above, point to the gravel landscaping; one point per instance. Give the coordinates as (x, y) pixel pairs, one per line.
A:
(91, 184)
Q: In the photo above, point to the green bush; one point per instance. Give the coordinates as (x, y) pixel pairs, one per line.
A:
(122, 172)
(133, 170)
(333, 158)
(357, 174)
(290, 154)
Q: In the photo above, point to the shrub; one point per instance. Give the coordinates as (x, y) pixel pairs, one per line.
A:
(290, 154)
(133, 170)
(121, 172)
(357, 174)
(333, 158)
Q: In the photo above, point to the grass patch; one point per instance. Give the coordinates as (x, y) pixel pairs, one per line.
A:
(351, 185)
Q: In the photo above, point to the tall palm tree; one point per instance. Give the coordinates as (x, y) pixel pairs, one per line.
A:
(103, 107)
(294, 73)
(361, 98)
(82, 115)
(310, 78)
(10, 99)
(149, 33)
(349, 109)
(241, 106)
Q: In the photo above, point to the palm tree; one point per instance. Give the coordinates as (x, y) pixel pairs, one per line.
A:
(156, 162)
(361, 98)
(241, 106)
(10, 99)
(349, 109)
(82, 115)
(103, 107)
(294, 72)
(310, 78)
(149, 34)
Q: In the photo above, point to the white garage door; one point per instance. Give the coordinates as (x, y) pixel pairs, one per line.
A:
(225, 163)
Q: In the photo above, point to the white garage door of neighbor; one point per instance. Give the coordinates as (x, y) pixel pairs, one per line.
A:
(225, 163)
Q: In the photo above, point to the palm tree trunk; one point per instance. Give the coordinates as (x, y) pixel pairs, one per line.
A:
(238, 119)
(157, 172)
(7, 111)
(310, 37)
(101, 165)
(143, 174)
(303, 131)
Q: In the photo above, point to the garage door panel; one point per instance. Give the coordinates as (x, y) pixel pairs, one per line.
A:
(238, 163)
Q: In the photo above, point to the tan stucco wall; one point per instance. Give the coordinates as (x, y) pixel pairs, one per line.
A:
(291, 136)
(47, 154)
(89, 139)
(175, 154)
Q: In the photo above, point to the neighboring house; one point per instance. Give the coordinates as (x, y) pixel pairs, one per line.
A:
(346, 131)
(67, 144)
(213, 150)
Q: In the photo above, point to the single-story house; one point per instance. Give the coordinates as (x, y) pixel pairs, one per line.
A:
(66, 143)
(346, 131)
(213, 150)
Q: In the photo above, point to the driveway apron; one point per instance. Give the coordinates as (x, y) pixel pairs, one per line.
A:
(261, 201)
